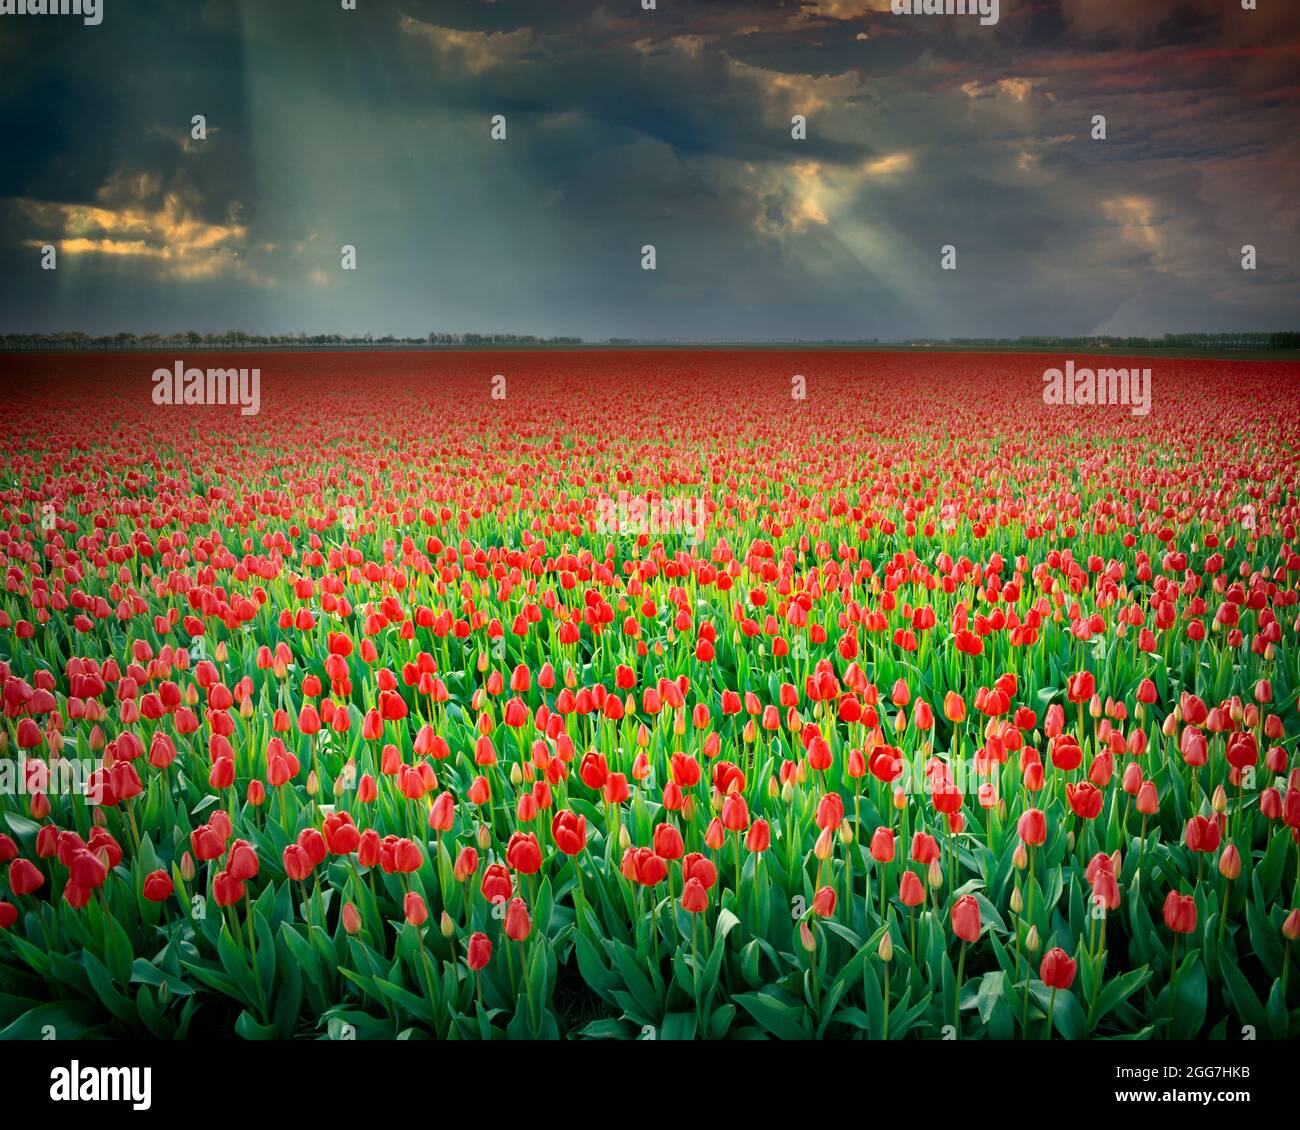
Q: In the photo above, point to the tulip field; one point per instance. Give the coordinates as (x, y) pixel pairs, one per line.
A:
(649, 695)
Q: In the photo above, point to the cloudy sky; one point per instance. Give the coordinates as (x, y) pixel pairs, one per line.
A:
(670, 127)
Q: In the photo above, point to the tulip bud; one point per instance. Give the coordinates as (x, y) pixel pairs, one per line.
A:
(885, 951)
(187, 867)
(773, 788)
(1031, 939)
(516, 775)
(1230, 862)
(624, 837)
(484, 837)
(846, 833)
(935, 874)
(806, 938)
(900, 800)
(1291, 926)
(1020, 857)
(313, 783)
(1017, 903)
(1219, 802)
(787, 792)
(351, 919)
(446, 925)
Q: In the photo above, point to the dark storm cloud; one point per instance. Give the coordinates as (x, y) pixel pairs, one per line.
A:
(669, 127)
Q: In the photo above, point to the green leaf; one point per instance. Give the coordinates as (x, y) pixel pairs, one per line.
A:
(678, 1026)
(785, 1021)
(1117, 990)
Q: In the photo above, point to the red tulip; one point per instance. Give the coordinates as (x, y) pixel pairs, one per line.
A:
(1057, 969)
(1180, 913)
(496, 885)
(24, 878)
(158, 886)
(569, 831)
(523, 853)
(966, 919)
(1032, 827)
(479, 952)
(414, 909)
(695, 898)
(1085, 799)
(518, 924)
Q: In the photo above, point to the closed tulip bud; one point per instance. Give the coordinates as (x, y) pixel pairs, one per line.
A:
(1017, 903)
(787, 792)
(187, 867)
(846, 833)
(715, 835)
(313, 784)
(446, 925)
(1032, 827)
(885, 951)
(910, 891)
(1020, 857)
(484, 836)
(1230, 862)
(1058, 969)
(1291, 926)
(966, 919)
(900, 800)
(414, 908)
(1180, 913)
(518, 924)
(935, 874)
(478, 952)
(825, 845)
(516, 775)
(351, 919)
(1148, 801)
(806, 938)
(1031, 940)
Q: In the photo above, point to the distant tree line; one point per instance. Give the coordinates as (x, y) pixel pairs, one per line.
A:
(1270, 340)
(238, 339)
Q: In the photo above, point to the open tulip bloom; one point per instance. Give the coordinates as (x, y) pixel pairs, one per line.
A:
(404, 710)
